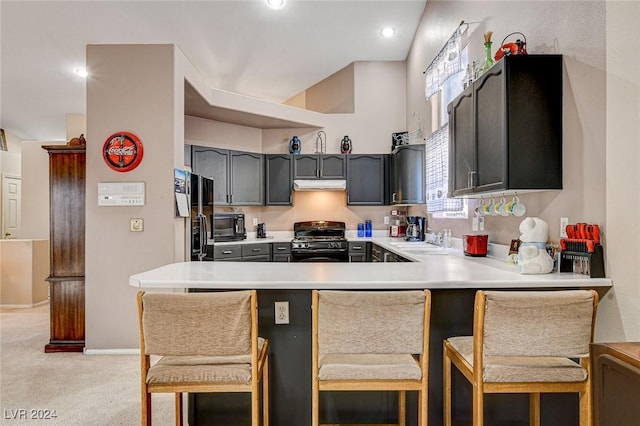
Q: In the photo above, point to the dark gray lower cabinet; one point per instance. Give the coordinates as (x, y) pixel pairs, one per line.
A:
(279, 178)
(260, 252)
(359, 251)
(367, 179)
(281, 252)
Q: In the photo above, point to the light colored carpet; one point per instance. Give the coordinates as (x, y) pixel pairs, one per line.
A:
(81, 389)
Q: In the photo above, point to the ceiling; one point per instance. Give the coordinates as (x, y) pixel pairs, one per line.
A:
(240, 46)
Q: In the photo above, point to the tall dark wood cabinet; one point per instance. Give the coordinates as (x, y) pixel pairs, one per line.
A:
(67, 220)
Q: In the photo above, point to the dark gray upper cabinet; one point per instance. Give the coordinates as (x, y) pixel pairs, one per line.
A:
(247, 178)
(407, 176)
(278, 185)
(506, 129)
(238, 176)
(319, 166)
(367, 182)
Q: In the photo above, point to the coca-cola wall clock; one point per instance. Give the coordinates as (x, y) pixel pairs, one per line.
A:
(122, 151)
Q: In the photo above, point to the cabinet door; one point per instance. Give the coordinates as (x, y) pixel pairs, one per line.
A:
(281, 252)
(306, 166)
(462, 144)
(491, 154)
(213, 163)
(333, 166)
(409, 174)
(366, 180)
(247, 178)
(278, 180)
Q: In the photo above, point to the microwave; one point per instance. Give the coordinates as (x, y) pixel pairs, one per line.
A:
(228, 227)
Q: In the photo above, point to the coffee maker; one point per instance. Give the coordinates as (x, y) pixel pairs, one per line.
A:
(416, 227)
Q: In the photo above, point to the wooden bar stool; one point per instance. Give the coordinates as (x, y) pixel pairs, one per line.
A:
(525, 342)
(371, 341)
(208, 343)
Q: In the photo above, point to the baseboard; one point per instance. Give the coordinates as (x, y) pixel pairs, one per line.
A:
(111, 351)
(24, 306)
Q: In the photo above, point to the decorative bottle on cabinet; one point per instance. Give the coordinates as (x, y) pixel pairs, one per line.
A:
(66, 222)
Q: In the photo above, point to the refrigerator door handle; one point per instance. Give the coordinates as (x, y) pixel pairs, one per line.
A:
(203, 235)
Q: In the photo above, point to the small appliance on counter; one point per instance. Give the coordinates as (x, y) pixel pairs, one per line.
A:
(416, 226)
(262, 231)
(229, 227)
(475, 245)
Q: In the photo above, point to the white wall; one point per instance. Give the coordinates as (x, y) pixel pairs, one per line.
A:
(575, 29)
(35, 190)
(601, 125)
(619, 312)
(142, 98)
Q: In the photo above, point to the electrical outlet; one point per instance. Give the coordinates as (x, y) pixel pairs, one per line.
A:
(564, 221)
(474, 224)
(136, 224)
(481, 223)
(386, 220)
(281, 312)
(255, 221)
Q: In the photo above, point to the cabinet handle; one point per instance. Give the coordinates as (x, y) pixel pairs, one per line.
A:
(255, 250)
(472, 179)
(281, 248)
(357, 247)
(393, 197)
(227, 252)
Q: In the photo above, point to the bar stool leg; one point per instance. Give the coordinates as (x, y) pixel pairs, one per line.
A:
(178, 397)
(534, 409)
(402, 408)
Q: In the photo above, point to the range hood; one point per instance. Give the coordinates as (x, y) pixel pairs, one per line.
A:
(319, 185)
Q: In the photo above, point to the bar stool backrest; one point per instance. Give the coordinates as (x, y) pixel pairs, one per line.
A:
(543, 323)
(386, 322)
(201, 324)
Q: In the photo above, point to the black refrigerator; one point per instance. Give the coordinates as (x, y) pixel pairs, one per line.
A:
(201, 218)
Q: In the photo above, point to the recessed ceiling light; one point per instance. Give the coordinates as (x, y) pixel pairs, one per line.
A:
(275, 4)
(388, 32)
(82, 72)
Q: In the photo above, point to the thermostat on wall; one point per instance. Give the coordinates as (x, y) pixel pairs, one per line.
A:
(114, 194)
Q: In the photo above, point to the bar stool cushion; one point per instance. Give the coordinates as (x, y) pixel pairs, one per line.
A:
(519, 368)
(368, 366)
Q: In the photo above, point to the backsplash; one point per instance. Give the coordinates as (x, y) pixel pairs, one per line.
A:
(313, 205)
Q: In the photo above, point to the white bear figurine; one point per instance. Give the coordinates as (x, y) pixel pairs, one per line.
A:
(534, 260)
(534, 230)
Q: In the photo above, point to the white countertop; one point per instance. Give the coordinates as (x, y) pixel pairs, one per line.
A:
(432, 271)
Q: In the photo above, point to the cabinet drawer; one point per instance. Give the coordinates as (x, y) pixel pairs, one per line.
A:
(355, 248)
(281, 248)
(226, 251)
(256, 249)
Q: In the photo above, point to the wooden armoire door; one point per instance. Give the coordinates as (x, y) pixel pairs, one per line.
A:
(66, 222)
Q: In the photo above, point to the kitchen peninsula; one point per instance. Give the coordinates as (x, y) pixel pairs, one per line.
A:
(452, 279)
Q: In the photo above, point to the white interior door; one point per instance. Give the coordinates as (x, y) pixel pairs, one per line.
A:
(11, 196)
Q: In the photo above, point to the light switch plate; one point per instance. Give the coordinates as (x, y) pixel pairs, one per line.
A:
(474, 224)
(136, 224)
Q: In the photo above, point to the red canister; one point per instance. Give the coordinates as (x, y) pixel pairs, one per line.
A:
(475, 245)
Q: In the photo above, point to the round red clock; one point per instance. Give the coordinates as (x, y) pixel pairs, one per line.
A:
(122, 151)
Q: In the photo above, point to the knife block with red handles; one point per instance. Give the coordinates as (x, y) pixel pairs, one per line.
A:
(582, 247)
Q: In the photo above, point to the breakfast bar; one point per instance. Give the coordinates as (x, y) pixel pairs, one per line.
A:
(452, 279)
